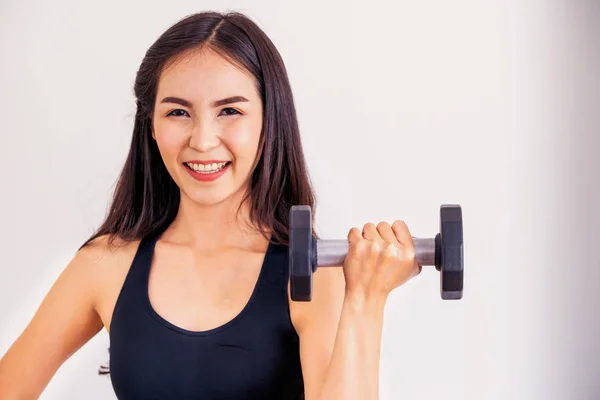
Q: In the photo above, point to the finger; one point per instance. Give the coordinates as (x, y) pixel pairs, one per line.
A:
(405, 238)
(402, 233)
(358, 247)
(369, 232)
(373, 243)
(386, 233)
(377, 251)
(354, 235)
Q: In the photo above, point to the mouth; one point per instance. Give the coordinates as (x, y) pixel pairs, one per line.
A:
(207, 169)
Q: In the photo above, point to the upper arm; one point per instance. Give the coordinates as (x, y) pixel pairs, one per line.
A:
(65, 320)
(317, 323)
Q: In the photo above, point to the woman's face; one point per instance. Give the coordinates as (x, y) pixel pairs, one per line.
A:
(207, 124)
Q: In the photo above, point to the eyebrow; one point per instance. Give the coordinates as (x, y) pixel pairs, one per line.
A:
(217, 103)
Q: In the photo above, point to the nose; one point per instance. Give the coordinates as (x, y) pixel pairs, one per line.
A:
(203, 137)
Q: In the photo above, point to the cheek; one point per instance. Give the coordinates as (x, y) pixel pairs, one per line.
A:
(169, 139)
(243, 139)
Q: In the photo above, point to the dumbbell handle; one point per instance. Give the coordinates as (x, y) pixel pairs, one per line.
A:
(331, 253)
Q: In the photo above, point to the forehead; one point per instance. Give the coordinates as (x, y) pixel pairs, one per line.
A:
(203, 75)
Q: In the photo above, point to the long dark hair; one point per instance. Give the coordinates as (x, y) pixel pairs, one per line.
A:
(146, 199)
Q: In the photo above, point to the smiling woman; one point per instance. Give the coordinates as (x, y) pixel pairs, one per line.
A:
(209, 114)
(212, 89)
(188, 272)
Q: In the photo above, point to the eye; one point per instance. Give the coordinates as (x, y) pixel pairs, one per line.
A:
(229, 111)
(176, 113)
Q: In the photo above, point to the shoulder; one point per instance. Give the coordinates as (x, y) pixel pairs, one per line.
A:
(106, 248)
(106, 261)
(104, 253)
(103, 261)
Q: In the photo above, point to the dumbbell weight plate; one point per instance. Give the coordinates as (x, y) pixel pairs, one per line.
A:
(301, 250)
(450, 250)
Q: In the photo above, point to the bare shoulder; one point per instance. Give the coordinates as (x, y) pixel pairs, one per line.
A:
(102, 261)
(108, 252)
(107, 248)
(107, 261)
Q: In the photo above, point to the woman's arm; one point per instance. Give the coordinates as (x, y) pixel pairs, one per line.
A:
(340, 329)
(354, 369)
(340, 341)
(64, 322)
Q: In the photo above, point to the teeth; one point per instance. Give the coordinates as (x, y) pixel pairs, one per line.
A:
(206, 169)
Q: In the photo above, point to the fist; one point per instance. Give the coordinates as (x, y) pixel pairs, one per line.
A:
(379, 259)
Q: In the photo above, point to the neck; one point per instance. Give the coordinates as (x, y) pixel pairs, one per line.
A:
(214, 226)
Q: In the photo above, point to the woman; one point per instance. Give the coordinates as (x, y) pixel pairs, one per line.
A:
(188, 273)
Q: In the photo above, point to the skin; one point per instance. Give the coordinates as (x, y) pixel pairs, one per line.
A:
(196, 260)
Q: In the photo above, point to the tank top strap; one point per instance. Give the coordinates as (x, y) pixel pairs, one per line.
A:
(145, 250)
(275, 263)
(134, 281)
(272, 288)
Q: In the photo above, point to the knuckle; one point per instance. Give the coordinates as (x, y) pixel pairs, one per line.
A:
(362, 246)
(410, 253)
(391, 251)
(376, 246)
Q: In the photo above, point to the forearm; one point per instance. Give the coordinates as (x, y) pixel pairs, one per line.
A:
(354, 369)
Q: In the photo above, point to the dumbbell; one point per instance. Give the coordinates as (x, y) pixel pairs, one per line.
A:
(306, 253)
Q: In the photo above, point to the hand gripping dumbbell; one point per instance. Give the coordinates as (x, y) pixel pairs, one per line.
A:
(306, 253)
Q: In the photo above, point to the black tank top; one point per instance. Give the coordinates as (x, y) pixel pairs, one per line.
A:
(253, 356)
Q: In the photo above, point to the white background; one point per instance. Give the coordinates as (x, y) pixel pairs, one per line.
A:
(403, 106)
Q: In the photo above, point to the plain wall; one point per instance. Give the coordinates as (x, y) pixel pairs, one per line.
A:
(403, 106)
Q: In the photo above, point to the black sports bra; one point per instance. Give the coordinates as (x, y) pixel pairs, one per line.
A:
(253, 356)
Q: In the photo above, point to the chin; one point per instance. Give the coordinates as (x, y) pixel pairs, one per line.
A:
(206, 199)
(212, 196)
